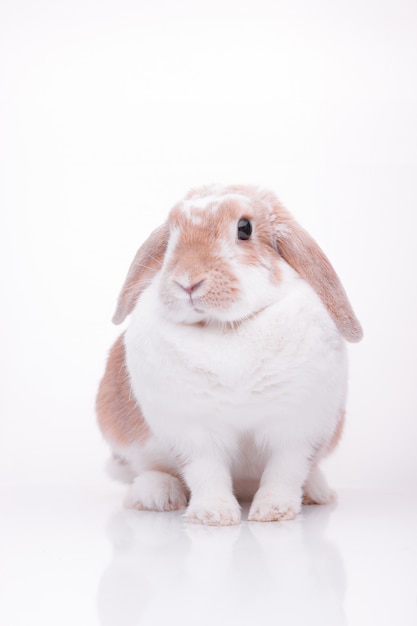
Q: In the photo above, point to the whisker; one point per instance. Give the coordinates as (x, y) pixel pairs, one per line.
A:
(146, 267)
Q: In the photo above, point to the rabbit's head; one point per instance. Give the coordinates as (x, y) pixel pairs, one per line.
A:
(218, 259)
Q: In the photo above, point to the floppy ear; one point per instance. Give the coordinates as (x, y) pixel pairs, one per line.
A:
(300, 250)
(145, 265)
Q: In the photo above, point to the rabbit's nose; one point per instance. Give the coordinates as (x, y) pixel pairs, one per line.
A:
(190, 288)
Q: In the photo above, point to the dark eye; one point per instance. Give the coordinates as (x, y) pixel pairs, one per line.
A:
(244, 229)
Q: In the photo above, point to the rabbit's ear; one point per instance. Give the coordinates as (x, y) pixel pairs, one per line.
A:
(300, 250)
(145, 265)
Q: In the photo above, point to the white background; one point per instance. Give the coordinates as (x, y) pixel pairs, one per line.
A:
(111, 111)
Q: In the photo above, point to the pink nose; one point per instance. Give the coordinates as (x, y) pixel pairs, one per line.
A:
(191, 288)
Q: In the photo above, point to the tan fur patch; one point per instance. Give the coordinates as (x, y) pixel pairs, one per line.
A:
(206, 231)
(119, 417)
(235, 202)
(199, 257)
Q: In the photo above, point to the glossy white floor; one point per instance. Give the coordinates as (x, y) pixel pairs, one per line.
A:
(75, 556)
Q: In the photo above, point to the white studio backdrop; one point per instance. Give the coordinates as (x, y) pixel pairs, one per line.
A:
(111, 111)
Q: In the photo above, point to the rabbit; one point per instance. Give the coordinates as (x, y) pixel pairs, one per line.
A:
(232, 373)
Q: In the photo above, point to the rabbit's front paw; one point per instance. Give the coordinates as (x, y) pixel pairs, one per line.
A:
(267, 507)
(214, 511)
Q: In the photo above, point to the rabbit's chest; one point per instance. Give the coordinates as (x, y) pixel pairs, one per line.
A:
(201, 366)
(199, 383)
(184, 377)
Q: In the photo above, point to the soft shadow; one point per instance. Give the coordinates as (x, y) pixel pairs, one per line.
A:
(164, 570)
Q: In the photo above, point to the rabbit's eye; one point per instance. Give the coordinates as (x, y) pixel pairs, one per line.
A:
(244, 229)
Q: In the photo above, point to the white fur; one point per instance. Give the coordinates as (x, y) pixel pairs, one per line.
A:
(212, 200)
(250, 400)
(316, 488)
(156, 491)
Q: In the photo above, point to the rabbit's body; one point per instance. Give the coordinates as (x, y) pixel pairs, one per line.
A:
(260, 378)
(251, 390)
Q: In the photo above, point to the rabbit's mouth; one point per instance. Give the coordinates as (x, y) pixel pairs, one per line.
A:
(196, 306)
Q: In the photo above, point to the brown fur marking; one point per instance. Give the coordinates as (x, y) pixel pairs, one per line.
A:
(119, 417)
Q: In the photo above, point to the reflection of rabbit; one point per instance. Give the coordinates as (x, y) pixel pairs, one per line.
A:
(164, 571)
(149, 552)
(301, 563)
(233, 367)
